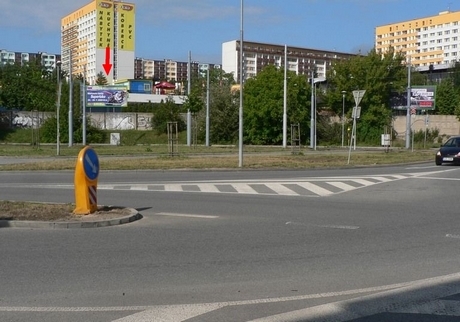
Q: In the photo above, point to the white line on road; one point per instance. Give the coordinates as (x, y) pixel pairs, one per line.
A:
(169, 313)
(185, 215)
(453, 236)
(323, 226)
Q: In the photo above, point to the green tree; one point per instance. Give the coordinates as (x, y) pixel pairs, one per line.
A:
(166, 112)
(380, 75)
(28, 87)
(446, 97)
(101, 79)
(223, 109)
(264, 105)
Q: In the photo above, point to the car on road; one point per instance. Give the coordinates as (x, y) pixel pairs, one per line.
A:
(449, 152)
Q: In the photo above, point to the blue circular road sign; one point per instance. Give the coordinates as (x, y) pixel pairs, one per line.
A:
(91, 164)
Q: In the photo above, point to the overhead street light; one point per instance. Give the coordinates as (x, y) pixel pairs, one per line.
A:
(343, 117)
(313, 110)
(58, 105)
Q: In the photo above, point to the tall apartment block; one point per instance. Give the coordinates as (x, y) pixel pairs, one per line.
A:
(256, 56)
(48, 61)
(430, 41)
(103, 31)
(169, 70)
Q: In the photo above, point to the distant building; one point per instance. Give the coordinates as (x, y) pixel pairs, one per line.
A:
(169, 70)
(100, 32)
(432, 40)
(303, 61)
(46, 60)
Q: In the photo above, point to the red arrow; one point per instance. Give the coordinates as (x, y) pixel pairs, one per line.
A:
(107, 66)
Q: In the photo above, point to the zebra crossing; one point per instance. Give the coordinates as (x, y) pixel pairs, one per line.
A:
(303, 187)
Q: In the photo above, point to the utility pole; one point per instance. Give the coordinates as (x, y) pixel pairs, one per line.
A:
(408, 126)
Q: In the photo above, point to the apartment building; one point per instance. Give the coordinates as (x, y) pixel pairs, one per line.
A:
(11, 57)
(167, 69)
(101, 32)
(430, 41)
(256, 56)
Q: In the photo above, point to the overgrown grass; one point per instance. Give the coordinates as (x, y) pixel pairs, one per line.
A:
(144, 150)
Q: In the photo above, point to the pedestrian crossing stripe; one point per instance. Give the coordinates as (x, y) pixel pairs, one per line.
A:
(303, 187)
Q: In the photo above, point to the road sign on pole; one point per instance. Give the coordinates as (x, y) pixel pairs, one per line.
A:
(358, 95)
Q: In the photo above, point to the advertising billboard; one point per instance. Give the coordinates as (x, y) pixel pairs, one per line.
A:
(107, 96)
(421, 98)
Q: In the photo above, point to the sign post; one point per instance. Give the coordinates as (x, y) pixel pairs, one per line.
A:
(86, 174)
(358, 96)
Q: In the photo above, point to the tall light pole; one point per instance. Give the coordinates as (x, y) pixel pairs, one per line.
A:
(58, 106)
(70, 99)
(408, 126)
(207, 107)
(312, 113)
(240, 143)
(343, 116)
(285, 99)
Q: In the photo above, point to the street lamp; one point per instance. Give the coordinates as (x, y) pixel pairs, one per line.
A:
(343, 116)
(313, 110)
(58, 105)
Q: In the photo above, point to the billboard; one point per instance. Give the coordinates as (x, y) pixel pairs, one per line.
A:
(104, 27)
(126, 26)
(106, 96)
(421, 98)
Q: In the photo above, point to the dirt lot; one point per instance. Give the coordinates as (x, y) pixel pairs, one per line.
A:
(28, 211)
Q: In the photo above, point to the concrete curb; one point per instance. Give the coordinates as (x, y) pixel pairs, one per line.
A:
(133, 216)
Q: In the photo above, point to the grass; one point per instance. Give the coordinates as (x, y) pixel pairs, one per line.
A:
(200, 157)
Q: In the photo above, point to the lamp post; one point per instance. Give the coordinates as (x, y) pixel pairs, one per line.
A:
(343, 116)
(240, 134)
(58, 105)
(313, 110)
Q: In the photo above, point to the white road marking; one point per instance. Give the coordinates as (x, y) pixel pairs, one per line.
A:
(323, 226)
(185, 215)
(244, 188)
(206, 187)
(281, 190)
(172, 312)
(173, 187)
(453, 236)
(363, 182)
(315, 188)
(341, 185)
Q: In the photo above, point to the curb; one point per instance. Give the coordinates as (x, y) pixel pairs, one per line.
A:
(133, 216)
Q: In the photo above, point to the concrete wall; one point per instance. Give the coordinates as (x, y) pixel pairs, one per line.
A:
(446, 124)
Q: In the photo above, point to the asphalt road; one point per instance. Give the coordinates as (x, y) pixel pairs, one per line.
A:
(237, 246)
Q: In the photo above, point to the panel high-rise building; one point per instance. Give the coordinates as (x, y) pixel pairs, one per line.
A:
(429, 41)
(100, 37)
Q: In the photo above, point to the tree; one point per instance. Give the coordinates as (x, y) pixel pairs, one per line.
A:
(446, 97)
(166, 112)
(223, 109)
(264, 102)
(101, 79)
(380, 75)
(28, 87)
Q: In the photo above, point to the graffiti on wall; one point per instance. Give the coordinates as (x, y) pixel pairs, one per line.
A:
(28, 119)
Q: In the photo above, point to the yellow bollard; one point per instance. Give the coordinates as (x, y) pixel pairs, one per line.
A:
(86, 173)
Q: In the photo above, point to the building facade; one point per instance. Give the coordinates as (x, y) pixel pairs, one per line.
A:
(98, 35)
(168, 70)
(430, 41)
(48, 61)
(256, 56)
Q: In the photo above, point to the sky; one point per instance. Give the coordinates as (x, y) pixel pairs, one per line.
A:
(171, 29)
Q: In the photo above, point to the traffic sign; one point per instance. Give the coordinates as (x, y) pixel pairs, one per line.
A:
(358, 96)
(90, 164)
(356, 112)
